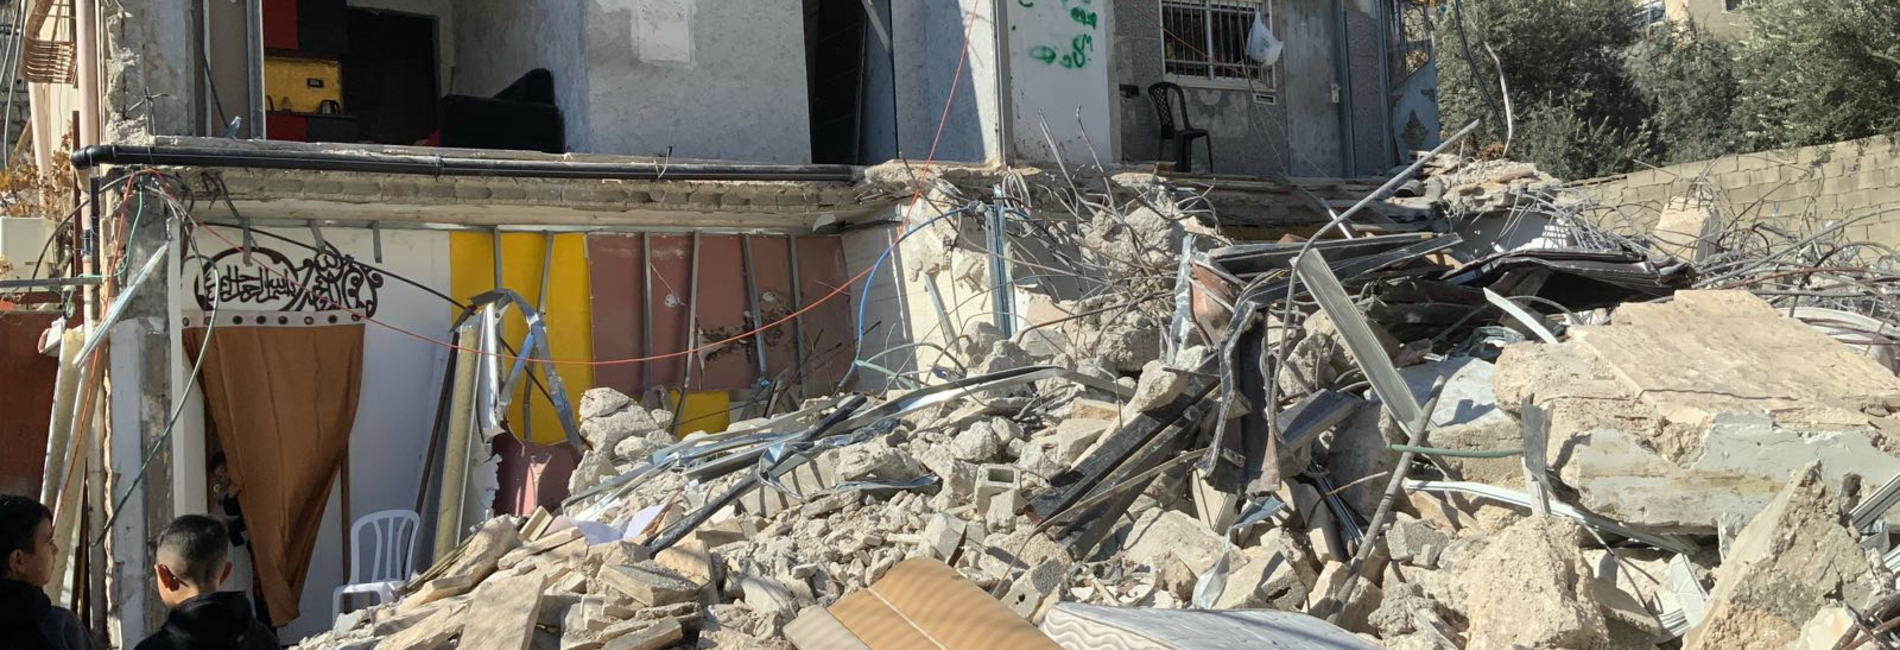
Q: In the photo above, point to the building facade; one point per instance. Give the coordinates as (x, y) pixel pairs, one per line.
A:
(652, 179)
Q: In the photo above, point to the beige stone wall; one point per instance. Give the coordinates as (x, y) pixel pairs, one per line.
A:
(1833, 181)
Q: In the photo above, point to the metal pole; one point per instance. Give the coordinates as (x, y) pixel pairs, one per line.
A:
(798, 322)
(687, 338)
(540, 307)
(646, 310)
(752, 305)
(1002, 289)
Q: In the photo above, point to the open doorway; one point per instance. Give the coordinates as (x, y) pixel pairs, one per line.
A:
(390, 70)
(835, 43)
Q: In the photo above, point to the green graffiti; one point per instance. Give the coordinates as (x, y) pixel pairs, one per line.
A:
(1024, 4)
(1083, 16)
(1079, 48)
(1043, 53)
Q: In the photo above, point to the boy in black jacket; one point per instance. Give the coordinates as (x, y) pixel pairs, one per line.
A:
(193, 561)
(28, 619)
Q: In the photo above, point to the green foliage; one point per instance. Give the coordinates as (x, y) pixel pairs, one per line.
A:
(1817, 71)
(1687, 81)
(1553, 54)
(1565, 140)
(1594, 91)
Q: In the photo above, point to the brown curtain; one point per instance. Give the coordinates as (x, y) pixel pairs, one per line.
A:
(282, 400)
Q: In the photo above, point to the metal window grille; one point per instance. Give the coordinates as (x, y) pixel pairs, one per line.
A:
(1207, 39)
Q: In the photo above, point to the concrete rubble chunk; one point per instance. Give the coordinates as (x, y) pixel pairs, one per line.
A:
(1355, 609)
(648, 583)
(1415, 541)
(479, 557)
(621, 553)
(1275, 574)
(436, 630)
(503, 614)
(690, 559)
(601, 402)
(1787, 564)
(1406, 609)
(977, 443)
(1036, 589)
(1156, 387)
(1527, 588)
(651, 636)
(874, 462)
(1159, 534)
(1714, 388)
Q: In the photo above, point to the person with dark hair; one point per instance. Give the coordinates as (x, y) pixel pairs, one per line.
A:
(193, 562)
(27, 616)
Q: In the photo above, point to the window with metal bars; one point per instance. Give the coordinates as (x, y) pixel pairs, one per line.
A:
(1206, 41)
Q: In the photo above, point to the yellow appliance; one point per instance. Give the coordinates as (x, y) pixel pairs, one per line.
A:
(302, 85)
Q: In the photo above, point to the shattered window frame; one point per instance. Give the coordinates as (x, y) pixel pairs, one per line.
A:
(1204, 43)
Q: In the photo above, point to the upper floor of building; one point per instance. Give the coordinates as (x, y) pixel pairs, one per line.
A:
(777, 82)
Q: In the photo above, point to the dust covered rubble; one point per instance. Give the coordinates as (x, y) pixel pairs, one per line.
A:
(1649, 418)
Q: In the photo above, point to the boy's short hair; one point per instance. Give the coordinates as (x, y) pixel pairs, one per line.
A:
(198, 542)
(20, 517)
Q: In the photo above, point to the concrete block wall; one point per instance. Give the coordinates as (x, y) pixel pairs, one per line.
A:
(1822, 182)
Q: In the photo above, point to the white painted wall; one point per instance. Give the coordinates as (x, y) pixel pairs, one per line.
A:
(1059, 64)
(401, 382)
(497, 41)
(715, 79)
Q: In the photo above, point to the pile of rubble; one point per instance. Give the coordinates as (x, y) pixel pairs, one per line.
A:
(1575, 443)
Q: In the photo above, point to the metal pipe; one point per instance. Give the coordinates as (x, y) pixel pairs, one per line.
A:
(1342, 79)
(646, 310)
(798, 320)
(86, 41)
(383, 163)
(687, 337)
(1002, 289)
(254, 102)
(752, 305)
(540, 307)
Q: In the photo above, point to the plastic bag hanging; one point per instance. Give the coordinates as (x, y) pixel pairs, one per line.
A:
(1262, 47)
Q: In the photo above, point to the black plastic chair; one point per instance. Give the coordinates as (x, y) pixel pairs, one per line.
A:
(1166, 96)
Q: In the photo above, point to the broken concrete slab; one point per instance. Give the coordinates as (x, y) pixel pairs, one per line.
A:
(1035, 589)
(503, 614)
(873, 462)
(691, 560)
(1714, 388)
(434, 631)
(1527, 588)
(1274, 574)
(1415, 541)
(1160, 533)
(648, 583)
(1354, 609)
(1787, 564)
(1746, 455)
(1158, 385)
(478, 557)
(651, 636)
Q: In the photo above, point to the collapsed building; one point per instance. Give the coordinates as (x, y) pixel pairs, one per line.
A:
(601, 386)
(1586, 441)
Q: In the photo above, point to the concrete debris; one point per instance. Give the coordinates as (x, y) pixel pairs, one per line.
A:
(1070, 475)
(1712, 388)
(1789, 562)
(1528, 588)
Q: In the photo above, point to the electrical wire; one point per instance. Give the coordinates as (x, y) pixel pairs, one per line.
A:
(870, 276)
(191, 381)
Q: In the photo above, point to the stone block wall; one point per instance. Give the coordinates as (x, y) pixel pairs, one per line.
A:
(1822, 182)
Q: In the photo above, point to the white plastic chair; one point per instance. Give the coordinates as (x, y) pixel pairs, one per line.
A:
(387, 539)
